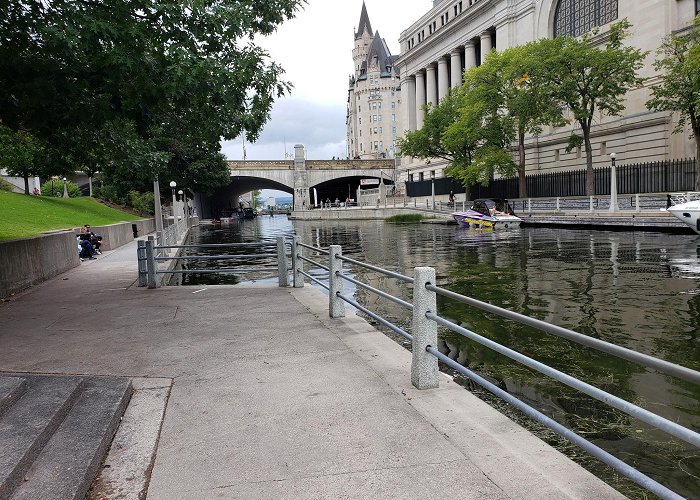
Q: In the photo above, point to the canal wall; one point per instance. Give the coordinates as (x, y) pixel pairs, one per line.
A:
(363, 213)
(30, 261)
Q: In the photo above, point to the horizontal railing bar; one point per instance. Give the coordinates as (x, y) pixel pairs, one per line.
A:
(384, 322)
(397, 300)
(644, 359)
(407, 279)
(222, 270)
(653, 419)
(313, 262)
(216, 245)
(602, 455)
(219, 257)
(315, 249)
(314, 279)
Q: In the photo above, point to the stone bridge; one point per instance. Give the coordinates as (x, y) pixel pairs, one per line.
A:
(309, 181)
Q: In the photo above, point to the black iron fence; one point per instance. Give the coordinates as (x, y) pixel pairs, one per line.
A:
(652, 177)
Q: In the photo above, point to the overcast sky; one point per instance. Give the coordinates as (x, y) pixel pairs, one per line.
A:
(315, 49)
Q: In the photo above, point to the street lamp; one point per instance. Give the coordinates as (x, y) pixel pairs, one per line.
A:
(173, 185)
(432, 186)
(65, 188)
(613, 185)
(182, 199)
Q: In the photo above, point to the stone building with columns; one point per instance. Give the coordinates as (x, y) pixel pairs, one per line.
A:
(373, 117)
(457, 34)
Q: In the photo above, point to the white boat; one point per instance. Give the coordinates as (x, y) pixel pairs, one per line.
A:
(686, 208)
(488, 212)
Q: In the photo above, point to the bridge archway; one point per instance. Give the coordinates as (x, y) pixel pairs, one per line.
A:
(342, 188)
(227, 197)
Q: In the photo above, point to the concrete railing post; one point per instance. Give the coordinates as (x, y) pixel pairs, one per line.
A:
(282, 272)
(590, 204)
(424, 366)
(152, 264)
(141, 262)
(336, 305)
(529, 205)
(297, 263)
(558, 209)
(637, 207)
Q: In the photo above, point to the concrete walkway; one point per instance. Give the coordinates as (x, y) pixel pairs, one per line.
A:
(271, 399)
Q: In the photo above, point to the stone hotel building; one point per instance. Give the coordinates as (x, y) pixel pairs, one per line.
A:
(457, 34)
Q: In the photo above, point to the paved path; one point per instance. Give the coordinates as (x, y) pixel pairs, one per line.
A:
(271, 399)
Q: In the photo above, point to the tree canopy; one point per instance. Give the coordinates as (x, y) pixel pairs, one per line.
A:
(96, 80)
(678, 60)
(587, 79)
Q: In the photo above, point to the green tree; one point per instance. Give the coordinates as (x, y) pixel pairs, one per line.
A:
(462, 130)
(516, 95)
(678, 60)
(588, 79)
(187, 71)
(20, 154)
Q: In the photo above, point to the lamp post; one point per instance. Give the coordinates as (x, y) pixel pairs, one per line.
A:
(173, 185)
(432, 186)
(65, 188)
(182, 200)
(613, 185)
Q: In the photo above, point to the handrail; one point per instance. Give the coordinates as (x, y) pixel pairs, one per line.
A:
(386, 272)
(315, 249)
(424, 339)
(622, 352)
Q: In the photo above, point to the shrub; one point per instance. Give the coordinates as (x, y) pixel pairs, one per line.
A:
(54, 187)
(142, 202)
(110, 193)
(405, 218)
(6, 185)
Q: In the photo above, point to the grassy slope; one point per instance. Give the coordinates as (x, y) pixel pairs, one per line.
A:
(22, 216)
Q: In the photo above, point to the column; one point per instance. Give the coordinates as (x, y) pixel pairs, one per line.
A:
(469, 55)
(409, 102)
(443, 78)
(431, 85)
(420, 99)
(486, 45)
(456, 68)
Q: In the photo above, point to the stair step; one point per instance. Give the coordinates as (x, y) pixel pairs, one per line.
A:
(70, 460)
(29, 422)
(11, 389)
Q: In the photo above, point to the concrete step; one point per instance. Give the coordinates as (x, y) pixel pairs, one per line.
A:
(28, 424)
(54, 435)
(11, 389)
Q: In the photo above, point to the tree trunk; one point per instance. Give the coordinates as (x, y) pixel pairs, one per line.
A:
(590, 176)
(522, 181)
(26, 184)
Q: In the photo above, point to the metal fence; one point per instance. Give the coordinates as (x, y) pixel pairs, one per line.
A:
(423, 338)
(650, 177)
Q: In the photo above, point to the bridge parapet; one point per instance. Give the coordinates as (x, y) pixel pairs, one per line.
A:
(261, 165)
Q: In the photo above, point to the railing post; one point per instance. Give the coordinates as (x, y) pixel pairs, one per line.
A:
(297, 263)
(151, 262)
(590, 204)
(336, 305)
(637, 207)
(529, 205)
(141, 262)
(282, 272)
(424, 366)
(558, 209)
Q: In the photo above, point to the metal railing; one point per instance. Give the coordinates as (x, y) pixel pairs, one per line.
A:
(425, 355)
(423, 335)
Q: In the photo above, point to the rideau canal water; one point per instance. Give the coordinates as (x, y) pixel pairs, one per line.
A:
(640, 290)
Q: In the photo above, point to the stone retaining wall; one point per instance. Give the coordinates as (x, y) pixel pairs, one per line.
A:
(27, 262)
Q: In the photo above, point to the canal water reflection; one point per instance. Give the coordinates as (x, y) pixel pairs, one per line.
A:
(639, 290)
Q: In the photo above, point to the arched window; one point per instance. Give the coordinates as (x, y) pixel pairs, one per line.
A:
(576, 17)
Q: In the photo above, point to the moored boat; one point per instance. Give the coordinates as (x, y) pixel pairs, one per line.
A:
(488, 212)
(686, 208)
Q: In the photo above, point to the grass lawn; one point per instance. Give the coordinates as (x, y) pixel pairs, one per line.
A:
(22, 216)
